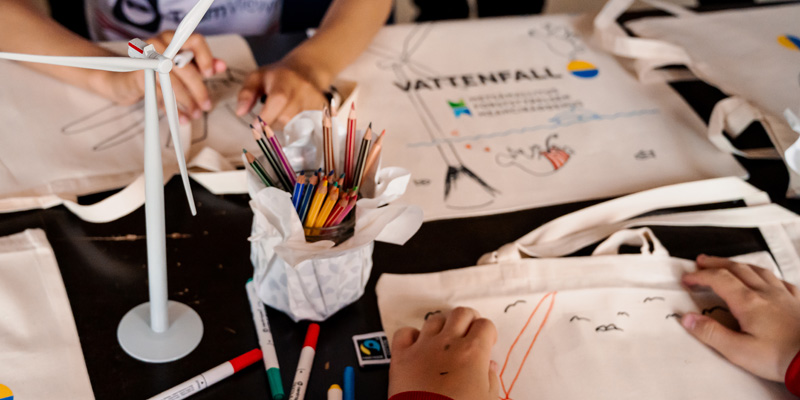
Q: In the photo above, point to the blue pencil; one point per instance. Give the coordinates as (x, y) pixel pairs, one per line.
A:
(309, 192)
(297, 196)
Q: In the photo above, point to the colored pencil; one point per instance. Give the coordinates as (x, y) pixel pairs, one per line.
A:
(257, 135)
(284, 162)
(351, 203)
(374, 152)
(350, 146)
(258, 169)
(333, 196)
(337, 209)
(316, 203)
(297, 195)
(362, 156)
(341, 181)
(309, 191)
(327, 141)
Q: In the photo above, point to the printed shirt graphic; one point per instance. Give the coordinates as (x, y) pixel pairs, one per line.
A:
(126, 19)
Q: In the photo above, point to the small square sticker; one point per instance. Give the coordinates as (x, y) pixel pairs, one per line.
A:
(372, 348)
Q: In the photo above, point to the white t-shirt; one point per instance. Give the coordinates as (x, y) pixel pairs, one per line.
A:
(126, 19)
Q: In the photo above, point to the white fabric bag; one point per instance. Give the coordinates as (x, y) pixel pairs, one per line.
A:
(751, 55)
(40, 353)
(605, 326)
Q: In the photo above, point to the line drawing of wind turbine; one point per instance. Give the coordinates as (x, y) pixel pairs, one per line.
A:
(159, 330)
(463, 188)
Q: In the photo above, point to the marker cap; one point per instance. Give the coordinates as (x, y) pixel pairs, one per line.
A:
(246, 359)
(311, 336)
(275, 384)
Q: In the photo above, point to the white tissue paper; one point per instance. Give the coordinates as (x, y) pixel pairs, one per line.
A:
(312, 281)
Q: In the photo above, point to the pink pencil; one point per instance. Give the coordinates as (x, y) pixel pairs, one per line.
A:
(350, 204)
(281, 155)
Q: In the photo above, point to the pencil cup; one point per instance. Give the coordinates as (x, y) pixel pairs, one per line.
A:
(336, 234)
(312, 277)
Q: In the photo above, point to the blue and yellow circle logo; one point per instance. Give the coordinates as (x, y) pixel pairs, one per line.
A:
(5, 393)
(791, 42)
(582, 69)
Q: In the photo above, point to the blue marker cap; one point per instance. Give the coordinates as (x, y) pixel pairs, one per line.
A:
(349, 391)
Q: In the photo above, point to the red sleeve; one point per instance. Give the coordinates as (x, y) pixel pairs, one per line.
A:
(792, 378)
(419, 396)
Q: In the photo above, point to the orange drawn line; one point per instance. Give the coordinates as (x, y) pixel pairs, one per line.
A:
(524, 328)
(535, 337)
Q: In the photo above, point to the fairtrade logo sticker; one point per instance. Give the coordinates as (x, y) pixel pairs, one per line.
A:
(582, 69)
(5, 393)
(370, 349)
(791, 42)
(459, 108)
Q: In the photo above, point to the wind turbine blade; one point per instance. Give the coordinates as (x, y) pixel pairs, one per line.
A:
(187, 27)
(171, 108)
(116, 64)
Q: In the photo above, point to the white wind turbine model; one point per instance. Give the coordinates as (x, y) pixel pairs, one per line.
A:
(161, 330)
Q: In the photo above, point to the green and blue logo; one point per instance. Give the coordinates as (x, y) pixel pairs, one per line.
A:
(459, 108)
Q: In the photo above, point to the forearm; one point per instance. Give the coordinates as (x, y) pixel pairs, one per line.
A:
(25, 29)
(347, 29)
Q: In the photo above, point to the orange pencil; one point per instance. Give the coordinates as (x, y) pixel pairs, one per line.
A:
(328, 207)
(319, 196)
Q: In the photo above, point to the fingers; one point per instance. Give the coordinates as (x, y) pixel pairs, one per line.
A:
(276, 103)
(732, 345)
(743, 272)
(252, 88)
(185, 99)
(459, 321)
(197, 44)
(433, 325)
(190, 77)
(484, 331)
(404, 338)
(724, 283)
(494, 381)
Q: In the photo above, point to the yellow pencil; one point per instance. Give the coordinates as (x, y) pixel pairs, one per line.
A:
(326, 209)
(316, 203)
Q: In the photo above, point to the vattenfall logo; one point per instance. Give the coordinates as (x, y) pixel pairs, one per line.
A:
(5, 393)
(478, 79)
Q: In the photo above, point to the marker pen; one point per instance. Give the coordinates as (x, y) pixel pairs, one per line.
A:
(209, 377)
(349, 383)
(335, 392)
(265, 342)
(305, 363)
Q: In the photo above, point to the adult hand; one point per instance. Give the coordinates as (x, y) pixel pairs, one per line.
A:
(768, 311)
(187, 82)
(448, 356)
(290, 89)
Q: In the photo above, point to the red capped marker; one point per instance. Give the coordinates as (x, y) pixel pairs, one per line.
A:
(210, 377)
(305, 363)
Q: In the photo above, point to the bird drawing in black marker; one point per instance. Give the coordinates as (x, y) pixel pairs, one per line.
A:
(607, 328)
(513, 304)
(431, 313)
(646, 299)
(623, 313)
(674, 315)
(715, 308)
(577, 318)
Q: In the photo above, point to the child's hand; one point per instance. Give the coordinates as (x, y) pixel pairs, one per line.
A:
(187, 82)
(768, 311)
(449, 356)
(292, 85)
